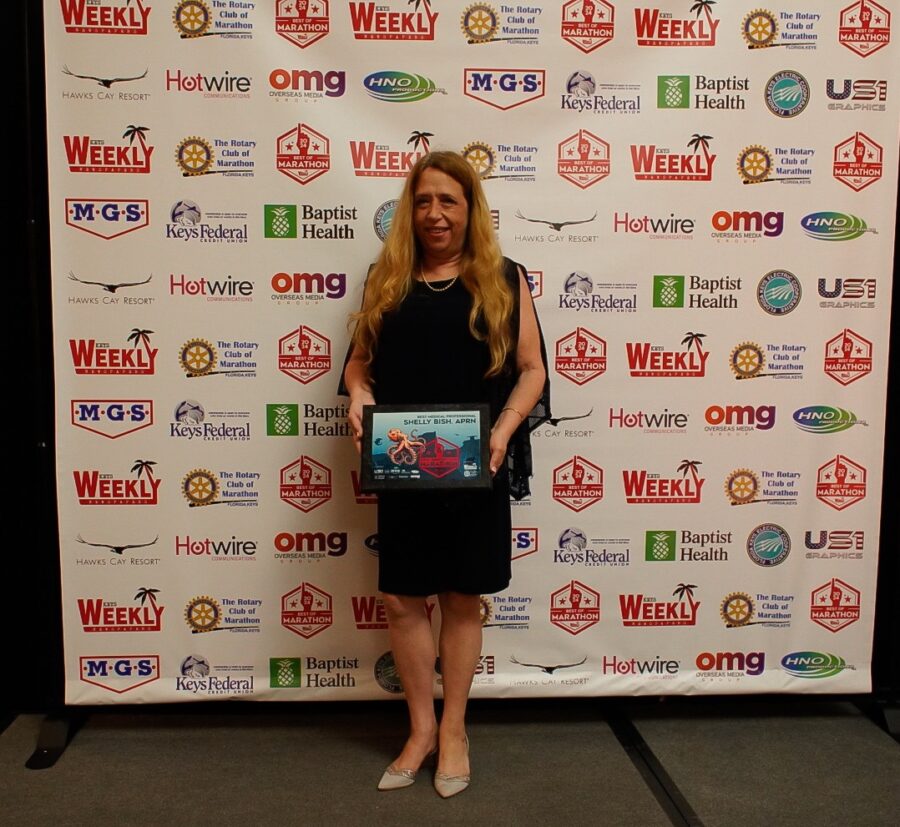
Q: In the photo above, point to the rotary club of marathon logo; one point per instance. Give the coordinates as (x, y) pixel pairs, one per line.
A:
(857, 161)
(303, 154)
(201, 487)
(587, 24)
(480, 23)
(755, 165)
(304, 354)
(834, 605)
(199, 358)
(761, 28)
(305, 484)
(848, 357)
(306, 610)
(580, 356)
(577, 483)
(575, 607)
(195, 156)
(840, 483)
(194, 19)
(583, 159)
(302, 22)
(865, 27)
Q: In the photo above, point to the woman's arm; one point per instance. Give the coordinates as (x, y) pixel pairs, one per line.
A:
(530, 384)
(359, 386)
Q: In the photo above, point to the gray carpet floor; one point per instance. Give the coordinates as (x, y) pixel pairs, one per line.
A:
(541, 763)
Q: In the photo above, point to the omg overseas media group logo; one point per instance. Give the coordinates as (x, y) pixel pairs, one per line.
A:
(309, 546)
(654, 27)
(307, 288)
(306, 85)
(302, 22)
(105, 17)
(588, 24)
(738, 419)
(229, 20)
(187, 222)
(763, 29)
(196, 155)
(85, 153)
(517, 25)
(864, 27)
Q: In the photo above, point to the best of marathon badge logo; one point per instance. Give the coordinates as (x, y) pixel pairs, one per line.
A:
(580, 356)
(840, 483)
(649, 360)
(305, 484)
(371, 160)
(480, 24)
(834, 605)
(857, 161)
(306, 610)
(104, 17)
(196, 156)
(761, 28)
(112, 418)
(865, 27)
(87, 154)
(119, 673)
(97, 488)
(643, 487)
(588, 24)
(303, 154)
(642, 610)
(302, 22)
(658, 28)
(582, 159)
(654, 163)
(107, 218)
(200, 358)
(577, 483)
(504, 88)
(193, 19)
(99, 615)
(304, 354)
(575, 607)
(371, 21)
(848, 357)
(201, 487)
(510, 162)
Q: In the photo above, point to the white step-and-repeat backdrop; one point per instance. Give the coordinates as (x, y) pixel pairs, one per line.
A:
(703, 194)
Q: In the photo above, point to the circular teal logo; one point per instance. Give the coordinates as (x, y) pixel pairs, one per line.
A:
(787, 94)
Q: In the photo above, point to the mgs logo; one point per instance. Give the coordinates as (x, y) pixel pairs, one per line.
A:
(112, 418)
(583, 159)
(857, 161)
(848, 357)
(834, 605)
(86, 154)
(377, 22)
(865, 27)
(119, 673)
(504, 88)
(304, 354)
(302, 154)
(524, 542)
(107, 218)
(656, 28)
(840, 483)
(306, 610)
(588, 24)
(305, 484)
(577, 483)
(580, 356)
(104, 17)
(575, 607)
(302, 22)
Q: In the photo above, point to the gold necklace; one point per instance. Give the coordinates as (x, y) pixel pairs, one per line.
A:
(438, 289)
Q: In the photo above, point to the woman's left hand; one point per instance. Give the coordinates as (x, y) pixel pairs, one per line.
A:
(498, 445)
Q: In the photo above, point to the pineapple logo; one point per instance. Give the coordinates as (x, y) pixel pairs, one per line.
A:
(659, 546)
(668, 291)
(280, 220)
(284, 673)
(283, 420)
(673, 91)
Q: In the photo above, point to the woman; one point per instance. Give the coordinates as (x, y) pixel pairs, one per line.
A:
(445, 318)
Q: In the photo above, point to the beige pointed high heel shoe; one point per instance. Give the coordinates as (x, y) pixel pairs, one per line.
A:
(396, 778)
(450, 785)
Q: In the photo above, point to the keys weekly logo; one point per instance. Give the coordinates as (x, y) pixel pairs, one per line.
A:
(865, 27)
(90, 357)
(654, 163)
(658, 28)
(104, 16)
(373, 160)
(652, 489)
(643, 610)
(371, 21)
(93, 487)
(649, 360)
(99, 615)
(87, 154)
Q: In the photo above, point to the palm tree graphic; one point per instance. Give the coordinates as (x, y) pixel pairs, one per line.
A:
(695, 339)
(418, 3)
(142, 336)
(420, 139)
(142, 465)
(685, 590)
(690, 465)
(143, 594)
(698, 142)
(131, 132)
(703, 6)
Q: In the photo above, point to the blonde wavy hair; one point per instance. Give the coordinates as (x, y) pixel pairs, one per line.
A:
(481, 266)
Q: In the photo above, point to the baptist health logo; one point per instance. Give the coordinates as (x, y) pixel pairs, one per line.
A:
(283, 419)
(673, 91)
(659, 546)
(285, 673)
(668, 291)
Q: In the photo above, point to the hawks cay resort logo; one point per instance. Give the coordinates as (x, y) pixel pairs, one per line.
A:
(106, 83)
(109, 288)
(508, 162)
(229, 157)
(393, 86)
(105, 17)
(191, 421)
(670, 227)
(857, 94)
(187, 222)
(864, 27)
(648, 360)
(107, 218)
(306, 85)
(504, 88)
(302, 154)
(224, 85)
(848, 357)
(580, 292)
(701, 92)
(551, 429)
(306, 610)
(118, 673)
(117, 550)
(517, 25)
(740, 610)
(227, 20)
(393, 21)
(100, 615)
(580, 356)
(305, 483)
(112, 418)
(643, 487)
(302, 22)
(834, 226)
(574, 548)
(588, 24)
(201, 487)
(655, 163)
(307, 288)
(839, 544)
(229, 548)
(841, 482)
(234, 358)
(582, 159)
(204, 288)
(647, 610)
(309, 546)
(786, 93)
(775, 360)
(654, 27)
(695, 292)
(577, 483)
(200, 678)
(304, 354)
(852, 292)
(793, 29)
(89, 154)
(858, 161)
(95, 487)
(757, 164)
(374, 160)
(310, 222)
(557, 235)
(667, 546)
(582, 93)
(744, 486)
(94, 358)
(575, 607)
(231, 614)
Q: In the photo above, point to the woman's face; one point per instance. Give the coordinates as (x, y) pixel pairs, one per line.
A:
(440, 214)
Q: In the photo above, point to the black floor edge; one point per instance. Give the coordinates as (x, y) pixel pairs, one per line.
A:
(664, 789)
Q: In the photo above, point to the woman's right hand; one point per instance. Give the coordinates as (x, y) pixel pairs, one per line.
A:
(354, 415)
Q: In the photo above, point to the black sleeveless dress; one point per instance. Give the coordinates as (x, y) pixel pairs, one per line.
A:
(436, 541)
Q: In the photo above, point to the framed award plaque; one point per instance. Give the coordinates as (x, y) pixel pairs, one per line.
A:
(425, 447)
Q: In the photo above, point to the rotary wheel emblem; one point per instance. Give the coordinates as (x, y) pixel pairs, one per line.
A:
(487, 610)
(479, 23)
(759, 28)
(203, 614)
(737, 609)
(747, 360)
(200, 487)
(192, 18)
(197, 357)
(194, 156)
(741, 487)
(480, 157)
(754, 164)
